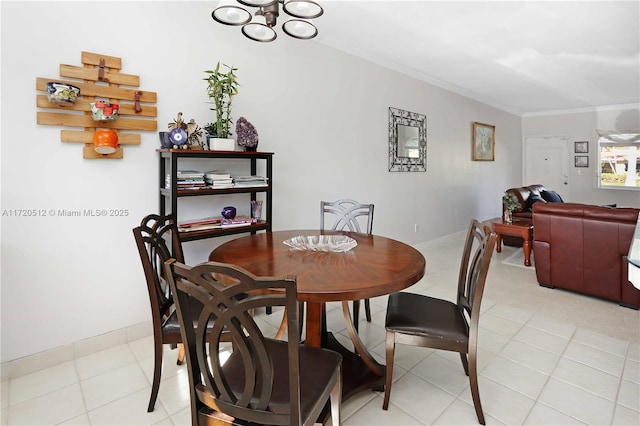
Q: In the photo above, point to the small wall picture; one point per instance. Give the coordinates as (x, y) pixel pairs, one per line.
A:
(581, 147)
(484, 142)
(582, 161)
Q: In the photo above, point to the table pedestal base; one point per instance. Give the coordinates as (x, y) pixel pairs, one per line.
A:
(356, 376)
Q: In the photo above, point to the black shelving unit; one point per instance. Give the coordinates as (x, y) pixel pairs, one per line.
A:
(169, 159)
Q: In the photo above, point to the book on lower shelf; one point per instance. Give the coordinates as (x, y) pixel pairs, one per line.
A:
(182, 182)
(246, 181)
(218, 179)
(189, 174)
(219, 182)
(217, 174)
(200, 224)
(214, 223)
(221, 186)
(238, 221)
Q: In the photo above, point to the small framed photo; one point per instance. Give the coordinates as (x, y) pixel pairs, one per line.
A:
(582, 161)
(484, 142)
(581, 147)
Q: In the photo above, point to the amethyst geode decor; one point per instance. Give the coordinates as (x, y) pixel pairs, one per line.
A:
(247, 134)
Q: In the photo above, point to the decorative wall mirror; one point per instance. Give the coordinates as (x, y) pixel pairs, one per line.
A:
(407, 141)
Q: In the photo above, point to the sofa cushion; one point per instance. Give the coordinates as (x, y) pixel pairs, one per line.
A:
(536, 188)
(534, 199)
(551, 197)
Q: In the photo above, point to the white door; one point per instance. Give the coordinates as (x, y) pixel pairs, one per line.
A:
(546, 162)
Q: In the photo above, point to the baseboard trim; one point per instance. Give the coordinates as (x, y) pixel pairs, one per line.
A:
(30, 364)
(455, 236)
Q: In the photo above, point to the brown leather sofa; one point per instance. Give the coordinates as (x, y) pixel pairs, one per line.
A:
(584, 248)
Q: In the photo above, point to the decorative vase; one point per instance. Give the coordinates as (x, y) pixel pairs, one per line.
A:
(228, 212)
(508, 216)
(250, 148)
(256, 209)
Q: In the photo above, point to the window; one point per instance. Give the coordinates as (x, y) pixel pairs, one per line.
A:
(619, 160)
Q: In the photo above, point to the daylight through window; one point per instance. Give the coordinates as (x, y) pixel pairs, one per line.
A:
(619, 159)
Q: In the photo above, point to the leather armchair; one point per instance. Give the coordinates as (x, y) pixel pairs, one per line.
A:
(584, 248)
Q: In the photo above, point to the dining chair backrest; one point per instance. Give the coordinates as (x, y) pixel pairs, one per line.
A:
(167, 229)
(157, 241)
(260, 382)
(347, 215)
(474, 267)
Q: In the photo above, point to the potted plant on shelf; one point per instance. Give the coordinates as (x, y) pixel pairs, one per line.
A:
(210, 133)
(510, 202)
(222, 86)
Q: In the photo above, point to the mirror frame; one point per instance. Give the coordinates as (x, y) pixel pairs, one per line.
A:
(407, 118)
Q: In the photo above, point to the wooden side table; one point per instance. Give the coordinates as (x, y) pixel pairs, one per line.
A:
(520, 227)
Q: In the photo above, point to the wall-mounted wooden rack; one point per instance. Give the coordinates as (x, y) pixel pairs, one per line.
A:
(102, 79)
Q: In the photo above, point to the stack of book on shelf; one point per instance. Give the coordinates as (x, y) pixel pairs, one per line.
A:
(218, 179)
(187, 179)
(243, 181)
(200, 224)
(238, 221)
(214, 223)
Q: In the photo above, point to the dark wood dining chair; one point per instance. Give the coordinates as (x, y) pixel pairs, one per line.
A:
(418, 320)
(263, 381)
(349, 215)
(154, 237)
(157, 241)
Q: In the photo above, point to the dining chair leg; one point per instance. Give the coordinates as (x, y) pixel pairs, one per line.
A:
(180, 359)
(336, 401)
(367, 309)
(465, 364)
(475, 391)
(391, 346)
(301, 316)
(356, 313)
(157, 370)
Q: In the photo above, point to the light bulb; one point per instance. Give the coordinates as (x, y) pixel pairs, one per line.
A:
(256, 30)
(298, 28)
(304, 9)
(230, 14)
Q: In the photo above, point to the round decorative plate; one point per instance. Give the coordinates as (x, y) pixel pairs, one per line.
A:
(178, 137)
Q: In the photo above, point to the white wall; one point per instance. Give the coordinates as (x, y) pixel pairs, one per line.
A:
(582, 126)
(323, 113)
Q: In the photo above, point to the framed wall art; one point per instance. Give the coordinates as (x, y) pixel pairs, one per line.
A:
(484, 142)
(581, 161)
(581, 147)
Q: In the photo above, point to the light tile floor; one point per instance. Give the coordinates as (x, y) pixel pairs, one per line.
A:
(539, 365)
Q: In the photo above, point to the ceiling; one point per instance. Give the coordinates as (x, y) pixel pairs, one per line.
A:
(523, 57)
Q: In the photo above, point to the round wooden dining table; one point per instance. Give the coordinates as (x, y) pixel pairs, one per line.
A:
(376, 266)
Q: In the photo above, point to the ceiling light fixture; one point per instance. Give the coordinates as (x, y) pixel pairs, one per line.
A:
(260, 27)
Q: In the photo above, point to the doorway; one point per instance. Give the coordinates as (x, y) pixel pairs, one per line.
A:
(546, 163)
